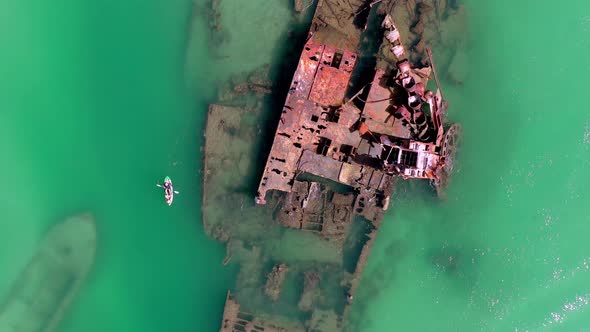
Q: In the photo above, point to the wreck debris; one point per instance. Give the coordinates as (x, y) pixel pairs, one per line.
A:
(302, 5)
(397, 131)
(317, 136)
(220, 122)
(439, 24)
(393, 36)
(333, 23)
(323, 320)
(211, 12)
(333, 160)
(274, 281)
(239, 85)
(354, 279)
(229, 157)
(311, 292)
(298, 4)
(450, 144)
(363, 148)
(312, 207)
(235, 320)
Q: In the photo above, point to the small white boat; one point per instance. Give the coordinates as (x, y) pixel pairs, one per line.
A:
(168, 190)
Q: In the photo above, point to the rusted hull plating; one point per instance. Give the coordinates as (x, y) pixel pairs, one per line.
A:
(392, 127)
(392, 134)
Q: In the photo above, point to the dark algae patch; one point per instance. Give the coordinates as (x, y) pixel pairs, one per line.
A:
(358, 115)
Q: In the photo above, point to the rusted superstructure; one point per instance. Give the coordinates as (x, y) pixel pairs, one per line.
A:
(363, 144)
(347, 132)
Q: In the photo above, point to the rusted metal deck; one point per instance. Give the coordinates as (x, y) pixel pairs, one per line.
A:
(391, 134)
(334, 158)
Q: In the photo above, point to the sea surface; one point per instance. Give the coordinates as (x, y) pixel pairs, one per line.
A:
(99, 100)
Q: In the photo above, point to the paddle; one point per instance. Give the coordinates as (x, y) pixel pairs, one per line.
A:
(159, 185)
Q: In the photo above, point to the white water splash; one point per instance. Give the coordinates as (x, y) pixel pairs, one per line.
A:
(558, 316)
(559, 274)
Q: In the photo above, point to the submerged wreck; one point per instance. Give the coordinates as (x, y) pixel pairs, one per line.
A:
(44, 290)
(339, 147)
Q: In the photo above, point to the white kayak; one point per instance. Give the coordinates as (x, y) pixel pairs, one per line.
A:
(168, 190)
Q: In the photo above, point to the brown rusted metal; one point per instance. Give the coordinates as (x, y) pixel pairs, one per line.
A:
(390, 135)
(309, 116)
(333, 158)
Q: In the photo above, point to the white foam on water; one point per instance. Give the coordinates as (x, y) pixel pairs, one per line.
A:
(558, 316)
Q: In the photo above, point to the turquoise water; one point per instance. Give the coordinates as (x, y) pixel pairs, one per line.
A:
(98, 101)
(94, 112)
(508, 250)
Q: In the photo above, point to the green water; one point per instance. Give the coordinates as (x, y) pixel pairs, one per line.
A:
(95, 109)
(94, 112)
(508, 251)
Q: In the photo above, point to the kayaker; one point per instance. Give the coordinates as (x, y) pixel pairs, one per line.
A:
(168, 190)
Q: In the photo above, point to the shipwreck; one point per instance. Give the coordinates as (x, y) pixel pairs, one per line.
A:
(364, 147)
(340, 145)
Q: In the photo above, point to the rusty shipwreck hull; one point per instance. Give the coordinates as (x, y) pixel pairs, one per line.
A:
(397, 131)
(392, 127)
